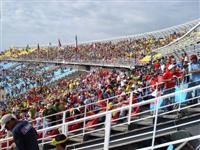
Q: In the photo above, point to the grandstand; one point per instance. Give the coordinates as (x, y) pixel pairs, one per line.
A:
(121, 51)
(116, 99)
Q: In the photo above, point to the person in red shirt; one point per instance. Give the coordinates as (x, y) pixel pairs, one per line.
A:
(169, 79)
(168, 63)
(156, 65)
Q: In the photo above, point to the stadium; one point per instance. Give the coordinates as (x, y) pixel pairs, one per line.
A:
(124, 93)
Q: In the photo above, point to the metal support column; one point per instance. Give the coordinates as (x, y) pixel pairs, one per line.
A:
(107, 130)
(155, 124)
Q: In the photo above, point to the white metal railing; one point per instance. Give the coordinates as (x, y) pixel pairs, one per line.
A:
(92, 102)
(112, 111)
(129, 118)
(96, 63)
(167, 49)
(173, 142)
(142, 134)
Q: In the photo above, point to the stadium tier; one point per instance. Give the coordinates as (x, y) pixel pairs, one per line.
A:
(121, 50)
(153, 105)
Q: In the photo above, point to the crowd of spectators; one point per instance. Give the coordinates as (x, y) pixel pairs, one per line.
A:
(122, 50)
(85, 88)
(20, 77)
(73, 93)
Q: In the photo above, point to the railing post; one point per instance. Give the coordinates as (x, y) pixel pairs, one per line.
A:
(84, 122)
(155, 124)
(1, 143)
(63, 122)
(7, 142)
(107, 130)
(66, 129)
(130, 107)
(43, 131)
(179, 106)
(107, 104)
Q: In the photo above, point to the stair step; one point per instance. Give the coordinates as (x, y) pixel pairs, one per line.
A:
(194, 110)
(183, 105)
(169, 116)
(134, 117)
(78, 139)
(100, 133)
(89, 129)
(145, 122)
(121, 128)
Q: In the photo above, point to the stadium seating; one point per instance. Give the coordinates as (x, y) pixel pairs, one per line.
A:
(121, 50)
(80, 104)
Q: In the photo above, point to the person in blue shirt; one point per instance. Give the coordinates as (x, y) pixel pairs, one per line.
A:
(194, 71)
(24, 135)
(170, 147)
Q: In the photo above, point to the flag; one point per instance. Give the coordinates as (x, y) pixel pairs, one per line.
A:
(27, 47)
(49, 48)
(38, 47)
(93, 45)
(76, 39)
(59, 44)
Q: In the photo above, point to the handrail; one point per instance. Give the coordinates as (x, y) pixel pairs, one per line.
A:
(111, 111)
(81, 63)
(90, 117)
(98, 102)
(178, 39)
(173, 142)
(146, 133)
(124, 108)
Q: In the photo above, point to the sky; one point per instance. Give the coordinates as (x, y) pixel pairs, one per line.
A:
(42, 21)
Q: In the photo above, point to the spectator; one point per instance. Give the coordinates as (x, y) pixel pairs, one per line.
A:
(24, 135)
(60, 141)
(194, 71)
(169, 79)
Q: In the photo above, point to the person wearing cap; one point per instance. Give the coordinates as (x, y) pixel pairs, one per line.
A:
(194, 71)
(24, 135)
(168, 77)
(169, 80)
(194, 68)
(60, 141)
